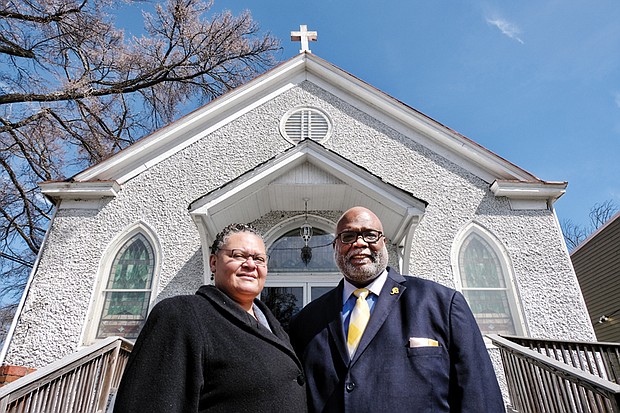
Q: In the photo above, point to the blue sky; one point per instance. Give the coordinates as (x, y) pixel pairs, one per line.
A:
(535, 81)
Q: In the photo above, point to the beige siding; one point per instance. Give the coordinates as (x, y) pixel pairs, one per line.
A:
(597, 265)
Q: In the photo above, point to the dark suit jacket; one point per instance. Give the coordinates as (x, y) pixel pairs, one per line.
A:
(204, 353)
(386, 374)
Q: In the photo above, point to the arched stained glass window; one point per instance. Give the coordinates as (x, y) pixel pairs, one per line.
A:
(127, 294)
(293, 283)
(484, 286)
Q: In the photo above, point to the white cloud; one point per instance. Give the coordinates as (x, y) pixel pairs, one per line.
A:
(507, 28)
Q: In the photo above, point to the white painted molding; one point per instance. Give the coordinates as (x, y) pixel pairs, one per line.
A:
(529, 195)
(79, 190)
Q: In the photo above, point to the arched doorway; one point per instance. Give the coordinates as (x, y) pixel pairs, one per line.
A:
(295, 280)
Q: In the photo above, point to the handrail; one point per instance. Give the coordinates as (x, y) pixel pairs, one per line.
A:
(80, 382)
(599, 358)
(538, 383)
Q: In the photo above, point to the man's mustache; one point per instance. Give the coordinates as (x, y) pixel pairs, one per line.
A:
(359, 251)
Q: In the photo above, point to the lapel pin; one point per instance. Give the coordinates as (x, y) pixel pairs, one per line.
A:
(394, 291)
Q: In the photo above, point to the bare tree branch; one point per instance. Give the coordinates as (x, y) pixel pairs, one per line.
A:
(599, 214)
(573, 233)
(45, 18)
(74, 90)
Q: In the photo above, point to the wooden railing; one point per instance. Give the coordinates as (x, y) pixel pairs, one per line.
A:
(545, 376)
(82, 382)
(600, 359)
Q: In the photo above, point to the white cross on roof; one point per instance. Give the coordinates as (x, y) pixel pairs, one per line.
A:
(304, 36)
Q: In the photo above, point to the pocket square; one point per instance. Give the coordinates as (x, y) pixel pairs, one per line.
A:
(422, 342)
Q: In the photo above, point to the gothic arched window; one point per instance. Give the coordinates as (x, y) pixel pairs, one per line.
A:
(486, 285)
(127, 294)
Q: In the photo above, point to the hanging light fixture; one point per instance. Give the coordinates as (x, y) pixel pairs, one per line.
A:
(306, 234)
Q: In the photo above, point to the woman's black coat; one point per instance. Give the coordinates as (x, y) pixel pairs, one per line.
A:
(204, 353)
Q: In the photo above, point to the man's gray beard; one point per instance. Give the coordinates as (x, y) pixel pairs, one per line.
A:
(366, 273)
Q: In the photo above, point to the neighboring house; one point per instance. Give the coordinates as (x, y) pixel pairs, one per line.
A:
(597, 264)
(294, 148)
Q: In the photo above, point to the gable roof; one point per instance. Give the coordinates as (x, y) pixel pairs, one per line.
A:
(506, 178)
(307, 171)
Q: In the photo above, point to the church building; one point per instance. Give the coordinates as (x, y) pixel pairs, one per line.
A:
(289, 152)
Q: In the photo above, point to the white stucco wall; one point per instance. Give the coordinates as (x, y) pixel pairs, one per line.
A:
(52, 321)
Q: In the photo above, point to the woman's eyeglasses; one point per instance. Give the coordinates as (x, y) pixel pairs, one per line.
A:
(241, 256)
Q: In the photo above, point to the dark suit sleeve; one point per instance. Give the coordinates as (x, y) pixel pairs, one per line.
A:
(164, 371)
(473, 383)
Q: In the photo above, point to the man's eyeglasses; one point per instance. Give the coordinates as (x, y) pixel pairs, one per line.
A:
(350, 237)
(240, 256)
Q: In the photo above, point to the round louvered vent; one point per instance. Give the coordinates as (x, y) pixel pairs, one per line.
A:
(305, 123)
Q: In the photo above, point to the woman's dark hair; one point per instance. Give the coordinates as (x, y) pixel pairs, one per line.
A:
(222, 237)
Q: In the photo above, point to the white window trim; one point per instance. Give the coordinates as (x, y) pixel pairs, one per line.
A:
(298, 279)
(281, 228)
(306, 284)
(89, 332)
(507, 269)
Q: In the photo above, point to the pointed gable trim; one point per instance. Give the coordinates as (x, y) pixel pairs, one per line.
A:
(264, 190)
(411, 123)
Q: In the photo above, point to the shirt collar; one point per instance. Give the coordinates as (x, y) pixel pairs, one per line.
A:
(374, 287)
(260, 316)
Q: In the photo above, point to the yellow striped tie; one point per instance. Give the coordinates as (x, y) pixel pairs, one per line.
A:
(359, 319)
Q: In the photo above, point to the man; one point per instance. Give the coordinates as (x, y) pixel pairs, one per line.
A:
(420, 351)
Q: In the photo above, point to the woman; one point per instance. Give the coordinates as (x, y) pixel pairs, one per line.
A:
(220, 350)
